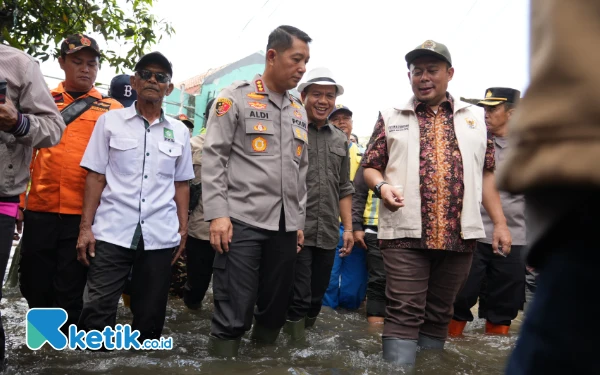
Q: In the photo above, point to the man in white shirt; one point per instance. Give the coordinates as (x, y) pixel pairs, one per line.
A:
(136, 194)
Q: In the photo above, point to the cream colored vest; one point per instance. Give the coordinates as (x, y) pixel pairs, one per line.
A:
(403, 146)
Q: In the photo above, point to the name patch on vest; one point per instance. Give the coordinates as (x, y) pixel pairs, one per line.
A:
(100, 106)
(397, 128)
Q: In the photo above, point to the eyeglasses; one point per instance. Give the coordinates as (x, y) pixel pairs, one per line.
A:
(160, 77)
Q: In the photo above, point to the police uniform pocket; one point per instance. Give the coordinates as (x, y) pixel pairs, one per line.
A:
(259, 137)
(123, 155)
(220, 278)
(167, 157)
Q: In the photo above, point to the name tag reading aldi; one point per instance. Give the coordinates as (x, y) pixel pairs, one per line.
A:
(222, 107)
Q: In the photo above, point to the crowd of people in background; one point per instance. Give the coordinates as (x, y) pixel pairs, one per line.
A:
(274, 201)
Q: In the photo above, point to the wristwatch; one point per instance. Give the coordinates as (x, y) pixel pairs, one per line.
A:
(377, 189)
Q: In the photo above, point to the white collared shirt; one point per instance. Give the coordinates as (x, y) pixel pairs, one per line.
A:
(141, 164)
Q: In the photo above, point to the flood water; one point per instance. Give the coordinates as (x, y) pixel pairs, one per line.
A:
(341, 343)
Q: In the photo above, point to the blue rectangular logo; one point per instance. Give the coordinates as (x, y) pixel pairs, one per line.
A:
(43, 326)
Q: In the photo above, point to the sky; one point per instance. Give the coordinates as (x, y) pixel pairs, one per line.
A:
(364, 43)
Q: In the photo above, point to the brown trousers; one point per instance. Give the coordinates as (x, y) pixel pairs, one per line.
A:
(420, 290)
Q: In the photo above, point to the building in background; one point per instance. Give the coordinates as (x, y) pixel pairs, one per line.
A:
(201, 88)
(191, 95)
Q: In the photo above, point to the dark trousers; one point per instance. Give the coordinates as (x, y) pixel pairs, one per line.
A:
(483, 297)
(178, 276)
(258, 270)
(560, 332)
(49, 273)
(421, 288)
(505, 286)
(149, 288)
(7, 231)
(376, 284)
(200, 259)
(311, 279)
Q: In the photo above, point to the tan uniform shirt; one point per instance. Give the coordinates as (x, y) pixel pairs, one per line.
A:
(255, 157)
(512, 205)
(197, 227)
(30, 95)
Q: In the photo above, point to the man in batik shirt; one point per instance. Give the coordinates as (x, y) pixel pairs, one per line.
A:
(431, 161)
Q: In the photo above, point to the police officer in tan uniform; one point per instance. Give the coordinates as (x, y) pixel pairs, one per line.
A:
(199, 253)
(504, 273)
(254, 194)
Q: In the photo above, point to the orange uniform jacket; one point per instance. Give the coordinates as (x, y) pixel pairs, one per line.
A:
(57, 180)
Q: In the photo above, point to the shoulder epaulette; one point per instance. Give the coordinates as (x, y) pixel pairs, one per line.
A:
(296, 99)
(238, 84)
(259, 86)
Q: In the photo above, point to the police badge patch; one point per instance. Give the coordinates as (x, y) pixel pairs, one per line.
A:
(223, 105)
(260, 127)
(429, 44)
(259, 144)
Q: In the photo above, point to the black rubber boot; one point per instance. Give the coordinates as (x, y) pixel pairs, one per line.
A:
(194, 306)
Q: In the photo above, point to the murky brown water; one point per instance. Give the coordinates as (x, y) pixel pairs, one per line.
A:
(341, 343)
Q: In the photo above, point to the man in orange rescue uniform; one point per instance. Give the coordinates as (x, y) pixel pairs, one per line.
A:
(50, 275)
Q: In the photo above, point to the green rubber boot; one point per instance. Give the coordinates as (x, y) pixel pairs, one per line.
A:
(263, 334)
(295, 329)
(426, 342)
(310, 322)
(223, 348)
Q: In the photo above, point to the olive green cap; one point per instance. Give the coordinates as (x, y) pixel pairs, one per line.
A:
(429, 48)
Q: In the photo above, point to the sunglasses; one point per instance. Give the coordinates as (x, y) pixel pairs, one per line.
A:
(160, 77)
